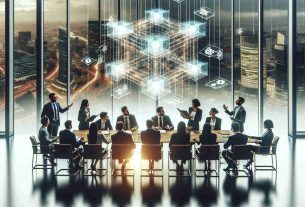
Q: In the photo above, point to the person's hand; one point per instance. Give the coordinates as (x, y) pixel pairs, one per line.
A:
(133, 129)
(167, 128)
(69, 106)
(225, 107)
(257, 142)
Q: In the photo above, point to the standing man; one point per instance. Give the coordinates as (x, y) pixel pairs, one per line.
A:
(238, 114)
(162, 121)
(52, 110)
(129, 120)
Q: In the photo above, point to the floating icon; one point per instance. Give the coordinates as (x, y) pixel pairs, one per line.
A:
(212, 51)
(240, 31)
(179, 1)
(205, 13)
(88, 60)
(218, 83)
(101, 59)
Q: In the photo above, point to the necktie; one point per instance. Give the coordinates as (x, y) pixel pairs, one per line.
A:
(126, 123)
(55, 112)
(160, 122)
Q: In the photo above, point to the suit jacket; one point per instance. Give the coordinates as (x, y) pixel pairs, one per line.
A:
(240, 117)
(208, 139)
(68, 137)
(195, 122)
(266, 140)
(132, 120)
(122, 137)
(44, 136)
(236, 139)
(47, 111)
(181, 139)
(217, 124)
(108, 125)
(150, 136)
(166, 121)
(82, 116)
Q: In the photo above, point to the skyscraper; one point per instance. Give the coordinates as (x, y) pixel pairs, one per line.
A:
(63, 55)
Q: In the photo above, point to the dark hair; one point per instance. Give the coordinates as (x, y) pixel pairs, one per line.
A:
(196, 102)
(123, 108)
(207, 129)
(214, 110)
(268, 124)
(92, 136)
(103, 114)
(159, 109)
(119, 125)
(51, 95)
(181, 128)
(235, 126)
(84, 103)
(44, 120)
(149, 123)
(241, 99)
(68, 124)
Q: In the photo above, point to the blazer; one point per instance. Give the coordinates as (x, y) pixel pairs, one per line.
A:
(122, 137)
(217, 124)
(195, 122)
(179, 139)
(150, 136)
(47, 111)
(166, 121)
(82, 116)
(132, 120)
(68, 137)
(236, 139)
(266, 138)
(44, 136)
(240, 117)
(208, 139)
(108, 125)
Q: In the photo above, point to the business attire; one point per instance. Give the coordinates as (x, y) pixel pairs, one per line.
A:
(239, 115)
(236, 139)
(215, 124)
(83, 115)
(206, 139)
(52, 110)
(93, 139)
(150, 136)
(129, 121)
(179, 139)
(162, 121)
(196, 118)
(46, 140)
(102, 125)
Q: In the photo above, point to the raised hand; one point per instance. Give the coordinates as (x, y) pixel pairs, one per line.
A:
(225, 107)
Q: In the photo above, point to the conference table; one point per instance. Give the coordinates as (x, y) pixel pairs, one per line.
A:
(222, 135)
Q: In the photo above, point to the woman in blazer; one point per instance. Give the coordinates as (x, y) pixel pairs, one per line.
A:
(213, 120)
(196, 115)
(84, 115)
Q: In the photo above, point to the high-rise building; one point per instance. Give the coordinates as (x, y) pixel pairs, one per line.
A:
(63, 55)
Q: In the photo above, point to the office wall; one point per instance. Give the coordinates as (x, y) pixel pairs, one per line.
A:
(2, 66)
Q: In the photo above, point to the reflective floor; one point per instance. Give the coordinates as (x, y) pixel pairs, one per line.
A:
(20, 186)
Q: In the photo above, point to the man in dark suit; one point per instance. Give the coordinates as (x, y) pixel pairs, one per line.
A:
(104, 123)
(122, 137)
(162, 121)
(238, 114)
(150, 136)
(129, 120)
(68, 137)
(237, 139)
(52, 110)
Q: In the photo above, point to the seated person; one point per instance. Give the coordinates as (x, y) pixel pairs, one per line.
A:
(104, 123)
(68, 137)
(93, 139)
(150, 136)
(237, 139)
(264, 141)
(45, 139)
(181, 137)
(122, 137)
(162, 121)
(129, 120)
(213, 120)
(207, 138)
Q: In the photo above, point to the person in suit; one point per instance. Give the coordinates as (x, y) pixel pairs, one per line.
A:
(207, 138)
(238, 114)
(181, 137)
(129, 120)
(104, 122)
(68, 137)
(264, 141)
(195, 114)
(52, 110)
(237, 139)
(122, 137)
(84, 115)
(213, 120)
(150, 136)
(162, 121)
(45, 139)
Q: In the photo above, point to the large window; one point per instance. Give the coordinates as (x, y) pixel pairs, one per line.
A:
(2, 66)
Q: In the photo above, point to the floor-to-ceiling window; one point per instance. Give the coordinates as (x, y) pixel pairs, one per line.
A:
(2, 66)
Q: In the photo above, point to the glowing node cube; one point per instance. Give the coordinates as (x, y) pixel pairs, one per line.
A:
(218, 83)
(196, 69)
(205, 13)
(193, 29)
(156, 46)
(119, 29)
(157, 16)
(117, 70)
(212, 51)
(154, 86)
(121, 91)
